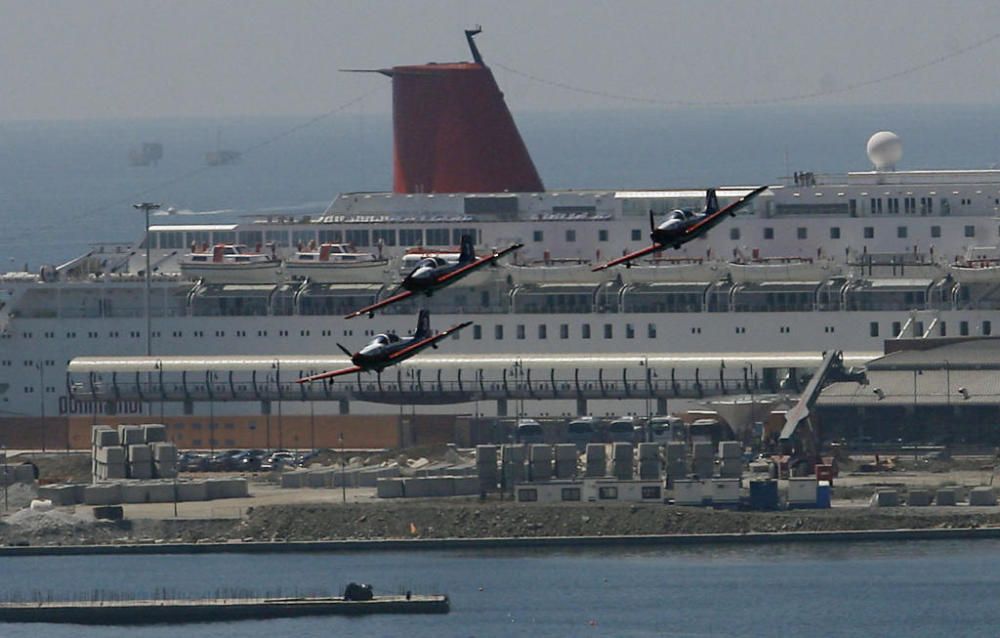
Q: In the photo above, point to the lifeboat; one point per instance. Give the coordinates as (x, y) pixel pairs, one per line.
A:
(231, 263)
(335, 263)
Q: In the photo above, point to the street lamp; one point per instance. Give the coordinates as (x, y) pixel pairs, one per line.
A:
(145, 207)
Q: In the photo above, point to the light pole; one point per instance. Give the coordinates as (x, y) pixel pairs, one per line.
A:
(41, 397)
(145, 207)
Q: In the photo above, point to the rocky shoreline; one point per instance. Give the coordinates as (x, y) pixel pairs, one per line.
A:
(472, 519)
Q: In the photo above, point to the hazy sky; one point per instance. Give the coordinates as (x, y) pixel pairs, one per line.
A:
(139, 58)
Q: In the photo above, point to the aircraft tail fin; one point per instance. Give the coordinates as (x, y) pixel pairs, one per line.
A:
(711, 201)
(423, 325)
(468, 250)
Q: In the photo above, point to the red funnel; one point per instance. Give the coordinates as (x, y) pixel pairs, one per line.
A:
(454, 134)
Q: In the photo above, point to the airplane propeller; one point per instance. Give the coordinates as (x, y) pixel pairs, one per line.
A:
(345, 351)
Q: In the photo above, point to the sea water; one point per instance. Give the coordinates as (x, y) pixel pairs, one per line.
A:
(65, 185)
(860, 589)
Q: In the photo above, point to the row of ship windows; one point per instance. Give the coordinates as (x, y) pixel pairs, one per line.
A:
(358, 237)
(135, 334)
(902, 232)
(521, 332)
(735, 233)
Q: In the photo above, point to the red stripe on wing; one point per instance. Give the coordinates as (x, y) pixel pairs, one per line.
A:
(327, 375)
(629, 257)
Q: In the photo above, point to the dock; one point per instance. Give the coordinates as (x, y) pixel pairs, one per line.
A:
(146, 612)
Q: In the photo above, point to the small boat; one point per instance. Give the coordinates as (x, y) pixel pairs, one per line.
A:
(782, 269)
(231, 264)
(335, 263)
(981, 264)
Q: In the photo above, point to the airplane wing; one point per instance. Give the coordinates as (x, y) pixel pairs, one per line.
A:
(328, 375)
(429, 341)
(629, 257)
(482, 261)
(713, 219)
(381, 304)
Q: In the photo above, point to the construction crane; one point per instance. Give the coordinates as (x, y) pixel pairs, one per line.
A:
(799, 440)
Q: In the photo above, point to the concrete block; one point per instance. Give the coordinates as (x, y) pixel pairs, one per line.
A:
(164, 452)
(649, 469)
(192, 491)
(676, 451)
(513, 453)
(702, 450)
(565, 468)
(622, 471)
(982, 496)
(115, 471)
(465, 485)
(541, 470)
(689, 492)
(318, 478)
(60, 495)
(160, 491)
(486, 457)
(918, 498)
(729, 450)
(621, 451)
(540, 452)
(139, 453)
(703, 467)
(103, 494)
(389, 488)
(294, 478)
(95, 434)
(731, 468)
(24, 473)
(649, 451)
(488, 484)
(135, 492)
(111, 454)
(802, 491)
(235, 488)
(723, 491)
(140, 470)
(946, 496)
(154, 433)
(566, 452)
(885, 498)
(429, 486)
(130, 434)
(164, 470)
(597, 451)
(368, 477)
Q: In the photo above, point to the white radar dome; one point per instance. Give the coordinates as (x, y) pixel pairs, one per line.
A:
(885, 148)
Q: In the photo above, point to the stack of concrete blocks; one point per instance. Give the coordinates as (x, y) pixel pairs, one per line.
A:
(368, 477)
(885, 498)
(540, 457)
(512, 458)
(108, 456)
(164, 459)
(730, 461)
(597, 460)
(622, 461)
(676, 461)
(486, 468)
(649, 461)
(140, 461)
(566, 458)
(703, 459)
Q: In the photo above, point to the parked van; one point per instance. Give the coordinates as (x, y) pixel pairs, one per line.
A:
(664, 429)
(622, 430)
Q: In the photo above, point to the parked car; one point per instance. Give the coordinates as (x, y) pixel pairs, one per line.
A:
(192, 462)
(582, 431)
(529, 431)
(279, 460)
(249, 461)
(224, 461)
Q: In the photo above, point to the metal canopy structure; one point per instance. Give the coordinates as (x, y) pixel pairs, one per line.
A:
(431, 379)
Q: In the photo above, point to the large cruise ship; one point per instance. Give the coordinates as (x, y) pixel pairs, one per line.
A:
(817, 262)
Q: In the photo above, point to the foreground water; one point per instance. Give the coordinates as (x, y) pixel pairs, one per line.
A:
(867, 589)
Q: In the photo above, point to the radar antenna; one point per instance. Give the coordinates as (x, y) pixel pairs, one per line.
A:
(469, 35)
